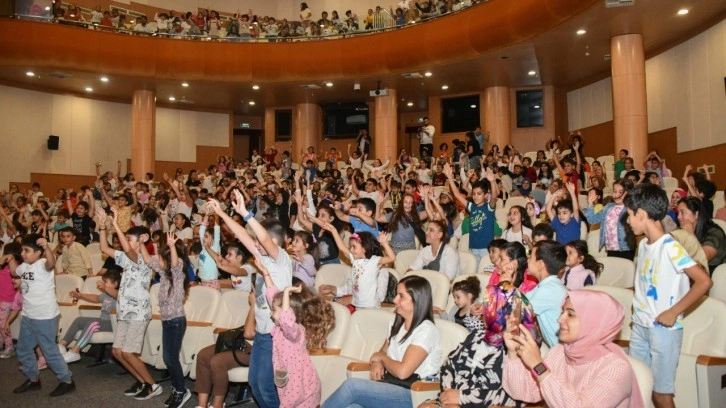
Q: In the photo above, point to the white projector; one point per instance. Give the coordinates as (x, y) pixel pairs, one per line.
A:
(379, 92)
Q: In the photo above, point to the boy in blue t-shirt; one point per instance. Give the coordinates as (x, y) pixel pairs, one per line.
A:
(360, 217)
(565, 217)
(481, 211)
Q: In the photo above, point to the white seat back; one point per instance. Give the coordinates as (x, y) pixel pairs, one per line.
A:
(336, 338)
(485, 261)
(645, 379)
(332, 274)
(404, 259)
(233, 309)
(64, 284)
(366, 333)
(463, 244)
(94, 248)
(512, 201)
(670, 183)
(467, 263)
(718, 290)
(625, 298)
(704, 329)
(593, 244)
(202, 304)
(450, 335)
(616, 272)
(439, 286)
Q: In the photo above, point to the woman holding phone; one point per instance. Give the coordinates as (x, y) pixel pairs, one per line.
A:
(471, 375)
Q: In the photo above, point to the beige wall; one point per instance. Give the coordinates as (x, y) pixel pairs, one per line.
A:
(92, 131)
(590, 105)
(685, 88)
(89, 130)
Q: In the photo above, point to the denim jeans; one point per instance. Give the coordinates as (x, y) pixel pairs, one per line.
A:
(332, 261)
(34, 332)
(172, 334)
(356, 392)
(479, 254)
(261, 374)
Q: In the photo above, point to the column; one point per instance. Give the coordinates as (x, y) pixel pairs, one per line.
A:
(497, 119)
(385, 134)
(143, 132)
(307, 129)
(630, 115)
(269, 132)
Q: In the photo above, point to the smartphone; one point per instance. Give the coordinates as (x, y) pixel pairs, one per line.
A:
(516, 318)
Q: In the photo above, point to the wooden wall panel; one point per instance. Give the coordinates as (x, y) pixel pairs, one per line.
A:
(664, 142)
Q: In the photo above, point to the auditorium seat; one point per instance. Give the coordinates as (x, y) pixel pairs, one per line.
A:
(332, 274)
(625, 298)
(483, 280)
(467, 263)
(439, 286)
(64, 284)
(718, 290)
(645, 379)
(404, 259)
(617, 272)
(593, 245)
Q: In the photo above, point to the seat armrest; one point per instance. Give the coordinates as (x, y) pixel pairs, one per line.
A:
(66, 304)
(359, 367)
(438, 311)
(387, 305)
(710, 360)
(419, 386)
(622, 343)
(198, 324)
(89, 307)
(158, 317)
(324, 352)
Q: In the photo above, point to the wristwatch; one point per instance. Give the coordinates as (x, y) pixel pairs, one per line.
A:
(539, 369)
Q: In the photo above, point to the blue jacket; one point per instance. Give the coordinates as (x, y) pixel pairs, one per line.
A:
(626, 240)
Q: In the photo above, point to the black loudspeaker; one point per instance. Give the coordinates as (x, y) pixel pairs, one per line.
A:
(53, 142)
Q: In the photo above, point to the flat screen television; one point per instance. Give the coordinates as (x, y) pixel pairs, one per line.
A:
(460, 114)
(344, 120)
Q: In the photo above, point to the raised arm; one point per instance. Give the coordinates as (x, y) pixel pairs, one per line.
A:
(103, 241)
(49, 256)
(263, 237)
(549, 209)
(448, 172)
(493, 189)
(338, 240)
(575, 200)
(388, 255)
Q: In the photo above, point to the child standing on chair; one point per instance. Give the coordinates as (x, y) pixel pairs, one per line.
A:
(133, 310)
(40, 315)
(298, 384)
(171, 265)
(481, 211)
(270, 236)
(662, 291)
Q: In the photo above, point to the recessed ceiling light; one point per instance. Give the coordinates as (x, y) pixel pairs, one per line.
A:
(255, 87)
(409, 104)
(444, 87)
(682, 12)
(581, 31)
(532, 73)
(104, 79)
(329, 84)
(89, 89)
(536, 106)
(47, 9)
(185, 84)
(172, 99)
(473, 106)
(427, 74)
(252, 103)
(30, 73)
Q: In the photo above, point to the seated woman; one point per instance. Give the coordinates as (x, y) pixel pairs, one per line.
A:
(694, 218)
(438, 255)
(470, 376)
(411, 351)
(585, 370)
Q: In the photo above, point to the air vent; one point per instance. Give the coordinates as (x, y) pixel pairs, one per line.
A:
(60, 74)
(618, 3)
(412, 75)
(310, 86)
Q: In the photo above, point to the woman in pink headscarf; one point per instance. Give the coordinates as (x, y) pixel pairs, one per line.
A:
(676, 196)
(585, 370)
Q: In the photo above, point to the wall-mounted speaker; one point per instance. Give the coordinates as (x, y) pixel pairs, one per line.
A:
(53, 142)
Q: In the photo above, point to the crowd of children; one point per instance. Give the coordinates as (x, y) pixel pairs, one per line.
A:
(260, 226)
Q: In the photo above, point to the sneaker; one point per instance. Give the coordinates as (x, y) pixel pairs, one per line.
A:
(42, 364)
(135, 389)
(62, 349)
(63, 388)
(148, 391)
(179, 398)
(27, 386)
(71, 357)
(170, 398)
(8, 352)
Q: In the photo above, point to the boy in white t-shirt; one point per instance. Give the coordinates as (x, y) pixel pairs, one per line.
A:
(267, 247)
(40, 315)
(662, 290)
(133, 308)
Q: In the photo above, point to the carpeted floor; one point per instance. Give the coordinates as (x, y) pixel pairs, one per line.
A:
(95, 387)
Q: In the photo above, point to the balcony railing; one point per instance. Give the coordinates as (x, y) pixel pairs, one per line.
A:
(383, 21)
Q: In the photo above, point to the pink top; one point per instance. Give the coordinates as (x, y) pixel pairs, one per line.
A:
(529, 281)
(572, 386)
(289, 352)
(7, 290)
(611, 228)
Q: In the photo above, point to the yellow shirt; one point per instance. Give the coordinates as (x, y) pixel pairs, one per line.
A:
(75, 260)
